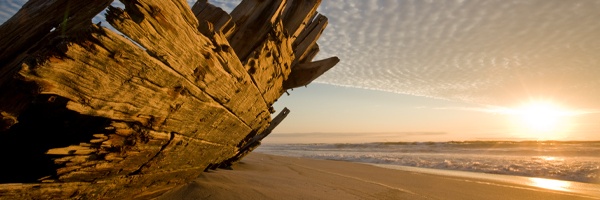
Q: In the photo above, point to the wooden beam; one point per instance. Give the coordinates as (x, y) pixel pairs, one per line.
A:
(253, 143)
(220, 19)
(305, 73)
(254, 19)
(298, 14)
(308, 38)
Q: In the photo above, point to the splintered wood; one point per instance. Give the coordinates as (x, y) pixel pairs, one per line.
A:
(183, 90)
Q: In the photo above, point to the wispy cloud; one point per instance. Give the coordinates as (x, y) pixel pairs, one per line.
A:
(492, 52)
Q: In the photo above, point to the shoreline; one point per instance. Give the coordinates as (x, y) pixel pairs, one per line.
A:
(265, 176)
(573, 187)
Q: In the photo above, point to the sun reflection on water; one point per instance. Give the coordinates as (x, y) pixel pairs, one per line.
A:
(550, 184)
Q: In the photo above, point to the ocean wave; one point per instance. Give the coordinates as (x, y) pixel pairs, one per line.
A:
(573, 161)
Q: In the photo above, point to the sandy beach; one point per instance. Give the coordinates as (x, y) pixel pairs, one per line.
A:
(262, 176)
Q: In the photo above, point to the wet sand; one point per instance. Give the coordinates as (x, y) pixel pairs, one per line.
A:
(262, 176)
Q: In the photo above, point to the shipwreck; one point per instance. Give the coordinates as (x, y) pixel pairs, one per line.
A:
(90, 113)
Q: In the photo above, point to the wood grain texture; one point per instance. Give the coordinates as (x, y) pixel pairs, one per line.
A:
(308, 38)
(270, 64)
(172, 37)
(25, 32)
(156, 104)
(298, 14)
(35, 20)
(254, 20)
(109, 76)
(220, 19)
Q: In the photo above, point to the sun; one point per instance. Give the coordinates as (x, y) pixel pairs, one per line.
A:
(541, 116)
(542, 119)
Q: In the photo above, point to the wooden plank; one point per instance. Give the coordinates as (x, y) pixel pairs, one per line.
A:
(70, 150)
(298, 14)
(310, 54)
(220, 19)
(254, 19)
(305, 73)
(141, 186)
(92, 76)
(115, 156)
(308, 38)
(270, 64)
(170, 35)
(184, 152)
(41, 191)
(274, 123)
(254, 142)
(17, 34)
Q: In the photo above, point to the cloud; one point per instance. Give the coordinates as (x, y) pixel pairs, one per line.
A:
(490, 52)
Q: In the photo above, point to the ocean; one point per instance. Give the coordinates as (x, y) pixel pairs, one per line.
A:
(570, 161)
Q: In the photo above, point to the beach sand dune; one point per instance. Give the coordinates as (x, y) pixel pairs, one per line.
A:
(262, 176)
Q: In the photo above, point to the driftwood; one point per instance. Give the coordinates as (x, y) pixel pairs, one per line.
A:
(88, 113)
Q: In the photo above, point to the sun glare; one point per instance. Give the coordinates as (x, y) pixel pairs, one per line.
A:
(541, 116)
(542, 120)
(550, 184)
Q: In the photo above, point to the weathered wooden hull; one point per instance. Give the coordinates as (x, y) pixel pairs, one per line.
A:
(88, 113)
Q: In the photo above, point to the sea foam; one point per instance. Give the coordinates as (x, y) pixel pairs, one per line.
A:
(573, 161)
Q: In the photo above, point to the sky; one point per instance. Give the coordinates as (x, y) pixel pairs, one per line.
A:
(419, 70)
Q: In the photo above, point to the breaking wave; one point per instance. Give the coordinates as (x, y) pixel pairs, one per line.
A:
(573, 161)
